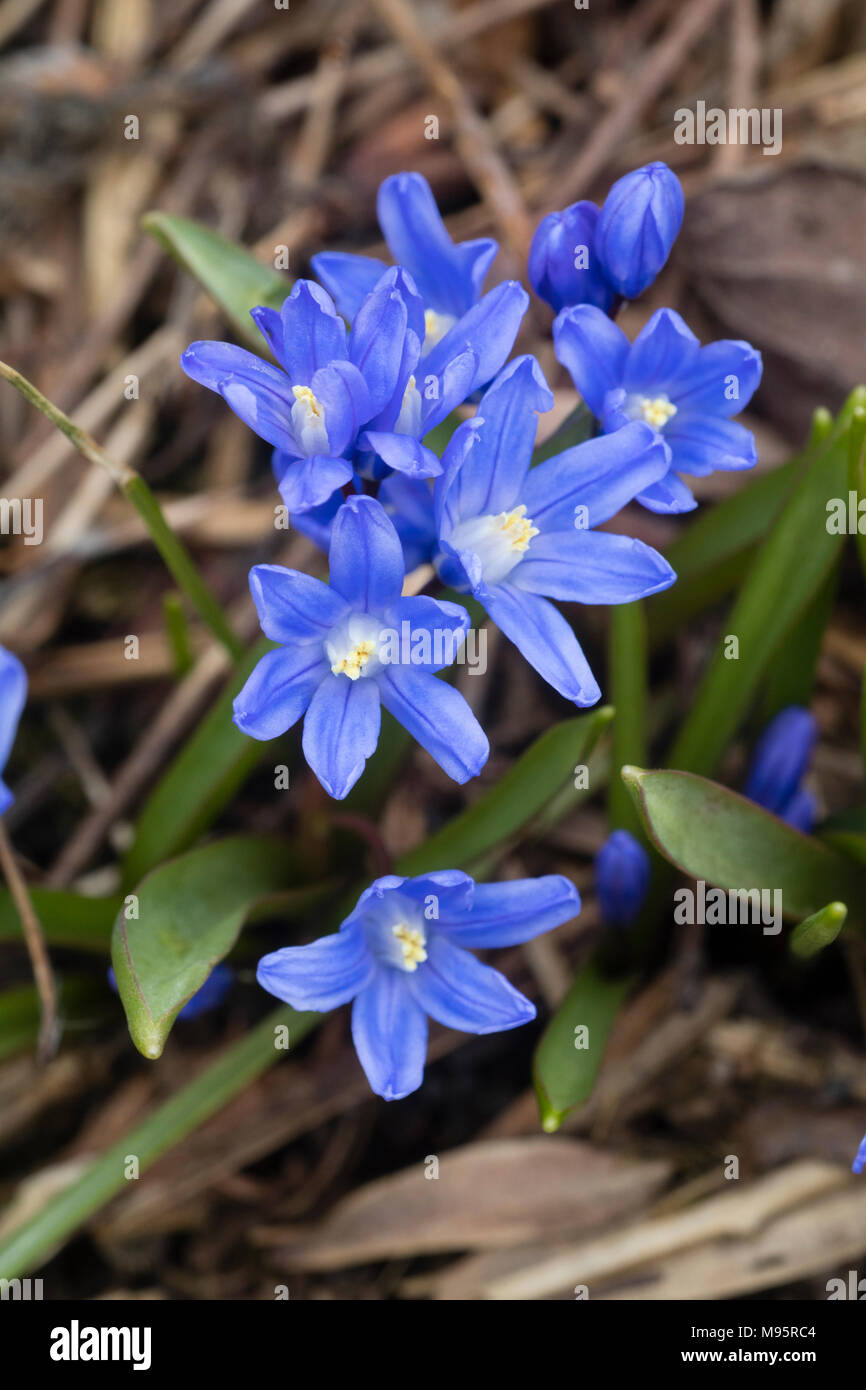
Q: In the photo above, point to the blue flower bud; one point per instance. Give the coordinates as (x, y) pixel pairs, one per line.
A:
(860, 1161)
(563, 267)
(779, 763)
(637, 227)
(622, 877)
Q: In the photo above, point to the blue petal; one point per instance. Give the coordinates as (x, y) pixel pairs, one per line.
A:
(313, 334)
(639, 223)
(449, 277)
(438, 717)
(718, 370)
(543, 636)
(454, 385)
(347, 278)
(781, 757)
(663, 352)
(445, 625)
(551, 267)
(366, 558)
(346, 401)
(294, 607)
(801, 811)
(860, 1160)
(601, 475)
(267, 411)
(701, 443)
(278, 690)
(592, 567)
(488, 329)
(307, 483)
(459, 992)
(504, 914)
(458, 458)
(593, 351)
(322, 976)
(668, 496)
(506, 425)
(341, 730)
(402, 453)
(378, 338)
(211, 994)
(622, 878)
(13, 694)
(389, 1030)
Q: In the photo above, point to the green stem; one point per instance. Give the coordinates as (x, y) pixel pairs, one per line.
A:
(133, 486)
(627, 683)
(26, 1248)
(177, 632)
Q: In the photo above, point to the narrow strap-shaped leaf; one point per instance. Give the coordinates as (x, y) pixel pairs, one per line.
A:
(627, 682)
(571, 1049)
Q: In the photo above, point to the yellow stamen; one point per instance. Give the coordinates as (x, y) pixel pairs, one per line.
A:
(353, 664)
(412, 943)
(315, 407)
(656, 410)
(517, 527)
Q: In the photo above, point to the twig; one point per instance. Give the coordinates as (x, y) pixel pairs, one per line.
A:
(49, 1027)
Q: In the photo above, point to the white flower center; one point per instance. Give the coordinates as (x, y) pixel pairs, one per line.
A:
(411, 942)
(409, 419)
(655, 410)
(500, 542)
(308, 422)
(352, 648)
(435, 328)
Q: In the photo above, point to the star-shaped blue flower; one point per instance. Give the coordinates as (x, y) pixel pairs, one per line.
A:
(687, 393)
(402, 955)
(351, 645)
(517, 537)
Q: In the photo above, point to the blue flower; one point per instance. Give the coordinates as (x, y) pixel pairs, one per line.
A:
(779, 763)
(328, 384)
(622, 877)
(209, 996)
(584, 255)
(13, 693)
(354, 644)
(860, 1161)
(639, 223)
(515, 538)
(666, 379)
(400, 955)
(564, 267)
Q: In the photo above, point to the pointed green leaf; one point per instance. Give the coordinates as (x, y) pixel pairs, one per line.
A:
(525, 789)
(189, 914)
(627, 682)
(571, 1049)
(818, 931)
(713, 834)
(232, 277)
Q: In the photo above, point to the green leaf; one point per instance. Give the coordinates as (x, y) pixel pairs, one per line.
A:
(232, 277)
(67, 919)
(712, 553)
(856, 482)
(791, 678)
(787, 573)
(818, 931)
(566, 1061)
(201, 780)
(525, 790)
(190, 912)
(712, 833)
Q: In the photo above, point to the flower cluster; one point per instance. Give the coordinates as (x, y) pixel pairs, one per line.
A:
(366, 361)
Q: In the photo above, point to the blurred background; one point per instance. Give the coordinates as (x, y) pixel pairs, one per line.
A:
(274, 125)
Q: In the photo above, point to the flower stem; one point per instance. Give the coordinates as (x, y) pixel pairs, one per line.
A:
(43, 975)
(133, 486)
